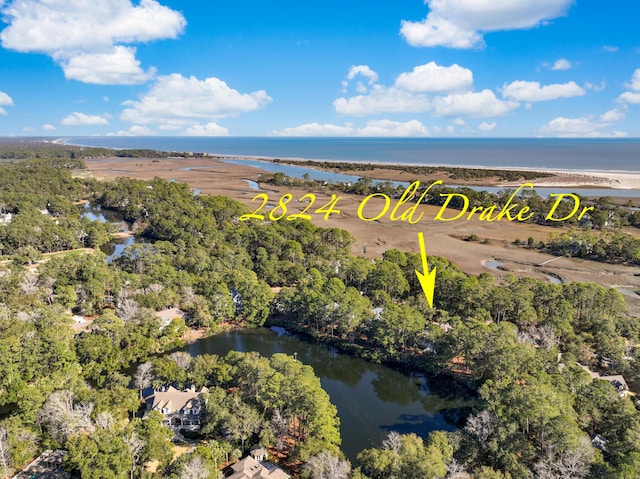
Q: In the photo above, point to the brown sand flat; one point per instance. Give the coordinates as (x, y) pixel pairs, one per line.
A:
(446, 239)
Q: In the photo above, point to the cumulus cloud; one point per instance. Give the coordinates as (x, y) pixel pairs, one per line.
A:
(174, 101)
(382, 99)
(482, 104)
(135, 130)
(462, 23)
(373, 128)
(48, 127)
(363, 70)
(632, 96)
(615, 115)
(78, 34)
(394, 128)
(79, 119)
(532, 91)
(579, 127)
(118, 66)
(634, 83)
(317, 129)
(433, 78)
(484, 126)
(5, 100)
(408, 94)
(562, 64)
(210, 129)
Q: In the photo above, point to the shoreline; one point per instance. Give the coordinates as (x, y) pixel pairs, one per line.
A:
(562, 177)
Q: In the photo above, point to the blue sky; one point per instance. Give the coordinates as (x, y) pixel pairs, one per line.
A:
(440, 68)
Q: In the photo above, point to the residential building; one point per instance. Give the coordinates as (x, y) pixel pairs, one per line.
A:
(249, 468)
(182, 410)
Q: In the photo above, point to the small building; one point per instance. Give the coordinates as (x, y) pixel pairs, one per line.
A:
(182, 410)
(249, 468)
(616, 381)
(168, 315)
(48, 464)
(259, 453)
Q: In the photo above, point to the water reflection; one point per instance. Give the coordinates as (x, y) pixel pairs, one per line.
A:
(114, 248)
(372, 399)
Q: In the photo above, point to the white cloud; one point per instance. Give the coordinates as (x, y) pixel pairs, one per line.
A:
(433, 78)
(474, 105)
(532, 91)
(135, 130)
(615, 115)
(48, 127)
(5, 100)
(382, 100)
(373, 128)
(579, 127)
(410, 128)
(459, 122)
(407, 95)
(634, 83)
(562, 64)
(363, 70)
(461, 23)
(610, 48)
(175, 101)
(77, 119)
(593, 87)
(317, 129)
(115, 67)
(629, 97)
(210, 129)
(484, 126)
(632, 96)
(77, 33)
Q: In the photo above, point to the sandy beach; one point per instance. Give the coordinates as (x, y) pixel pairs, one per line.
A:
(603, 179)
(492, 251)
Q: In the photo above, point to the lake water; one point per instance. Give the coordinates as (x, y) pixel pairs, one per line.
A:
(114, 248)
(371, 399)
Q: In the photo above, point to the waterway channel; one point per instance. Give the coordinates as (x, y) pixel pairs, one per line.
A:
(295, 171)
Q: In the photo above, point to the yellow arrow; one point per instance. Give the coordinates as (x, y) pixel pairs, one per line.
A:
(428, 278)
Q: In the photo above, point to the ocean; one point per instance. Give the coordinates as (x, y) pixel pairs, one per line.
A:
(564, 154)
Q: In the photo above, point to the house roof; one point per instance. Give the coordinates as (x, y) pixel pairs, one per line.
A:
(616, 381)
(249, 468)
(174, 400)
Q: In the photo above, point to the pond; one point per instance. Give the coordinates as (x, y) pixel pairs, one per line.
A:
(114, 248)
(372, 399)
